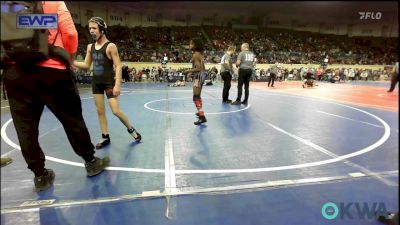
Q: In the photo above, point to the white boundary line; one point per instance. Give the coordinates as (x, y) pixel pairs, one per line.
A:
(218, 171)
(71, 163)
(333, 155)
(199, 190)
(146, 105)
(359, 121)
(170, 179)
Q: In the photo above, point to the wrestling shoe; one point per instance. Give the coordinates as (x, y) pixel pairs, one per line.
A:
(135, 134)
(202, 119)
(104, 141)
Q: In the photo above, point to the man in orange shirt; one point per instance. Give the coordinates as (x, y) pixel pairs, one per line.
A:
(50, 83)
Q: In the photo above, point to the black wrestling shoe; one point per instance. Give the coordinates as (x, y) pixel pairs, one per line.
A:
(227, 101)
(104, 141)
(244, 103)
(135, 134)
(202, 119)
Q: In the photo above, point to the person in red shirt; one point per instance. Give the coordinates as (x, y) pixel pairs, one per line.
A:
(51, 84)
(319, 73)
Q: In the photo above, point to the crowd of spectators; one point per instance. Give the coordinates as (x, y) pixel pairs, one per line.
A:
(151, 44)
(336, 74)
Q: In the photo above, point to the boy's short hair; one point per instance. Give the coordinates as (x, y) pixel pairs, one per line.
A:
(198, 44)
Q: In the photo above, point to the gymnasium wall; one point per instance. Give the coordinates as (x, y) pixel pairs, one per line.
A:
(155, 16)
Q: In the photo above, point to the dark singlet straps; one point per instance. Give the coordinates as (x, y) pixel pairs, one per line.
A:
(103, 67)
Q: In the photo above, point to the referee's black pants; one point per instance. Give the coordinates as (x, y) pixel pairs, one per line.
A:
(272, 77)
(244, 78)
(226, 77)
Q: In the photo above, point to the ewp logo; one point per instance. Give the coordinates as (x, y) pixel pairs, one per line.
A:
(37, 21)
(331, 210)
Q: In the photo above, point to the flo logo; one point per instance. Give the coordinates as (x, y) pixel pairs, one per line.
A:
(352, 210)
(370, 15)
